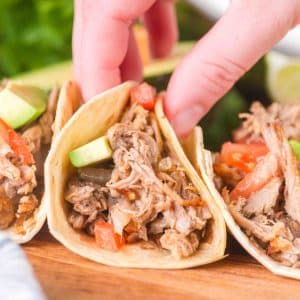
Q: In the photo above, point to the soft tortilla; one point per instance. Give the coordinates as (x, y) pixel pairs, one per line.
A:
(202, 161)
(69, 100)
(91, 121)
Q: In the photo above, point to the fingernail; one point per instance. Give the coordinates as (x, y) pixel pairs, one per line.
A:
(186, 119)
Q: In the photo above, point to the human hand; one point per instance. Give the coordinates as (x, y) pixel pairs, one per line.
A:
(104, 49)
(243, 35)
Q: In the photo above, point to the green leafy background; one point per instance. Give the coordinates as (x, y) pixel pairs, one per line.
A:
(33, 34)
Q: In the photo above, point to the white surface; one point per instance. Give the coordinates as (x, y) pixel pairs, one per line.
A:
(289, 45)
(17, 281)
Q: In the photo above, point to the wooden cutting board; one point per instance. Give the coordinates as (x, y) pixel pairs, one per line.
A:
(65, 275)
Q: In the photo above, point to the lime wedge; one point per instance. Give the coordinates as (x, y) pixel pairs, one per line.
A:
(283, 78)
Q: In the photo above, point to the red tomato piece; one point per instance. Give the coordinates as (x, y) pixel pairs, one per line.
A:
(106, 238)
(242, 156)
(16, 142)
(263, 173)
(144, 94)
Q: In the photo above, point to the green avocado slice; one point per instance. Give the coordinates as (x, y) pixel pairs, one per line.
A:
(58, 73)
(21, 104)
(95, 151)
(296, 148)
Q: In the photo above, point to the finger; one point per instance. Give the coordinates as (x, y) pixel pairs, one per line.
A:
(100, 41)
(161, 23)
(76, 43)
(235, 43)
(132, 67)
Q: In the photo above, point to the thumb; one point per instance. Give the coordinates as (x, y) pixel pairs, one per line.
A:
(244, 34)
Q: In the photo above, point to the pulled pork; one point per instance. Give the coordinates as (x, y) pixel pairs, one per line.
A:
(148, 198)
(40, 132)
(19, 181)
(288, 115)
(265, 202)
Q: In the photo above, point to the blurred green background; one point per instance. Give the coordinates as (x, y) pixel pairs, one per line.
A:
(33, 34)
(37, 33)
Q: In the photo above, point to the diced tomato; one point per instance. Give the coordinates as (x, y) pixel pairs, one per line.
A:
(106, 238)
(252, 182)
(242, 156)
(16, 142)
(144, 94)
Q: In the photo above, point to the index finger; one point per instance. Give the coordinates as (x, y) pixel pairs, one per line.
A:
(247, 31)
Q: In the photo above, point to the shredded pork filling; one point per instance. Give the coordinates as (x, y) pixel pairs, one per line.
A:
(21, 184)
(148, 198)
(270, 215)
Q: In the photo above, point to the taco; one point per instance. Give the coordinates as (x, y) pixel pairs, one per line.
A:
(122, 192)
(258, 176)
(29, 119)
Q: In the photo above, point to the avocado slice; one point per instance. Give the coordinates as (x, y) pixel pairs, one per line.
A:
(21, 104)
(58, 73)
(296, 148)
(95, 151)
(47, 77)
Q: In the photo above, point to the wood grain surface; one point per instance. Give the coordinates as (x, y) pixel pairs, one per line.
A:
(64, 275)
